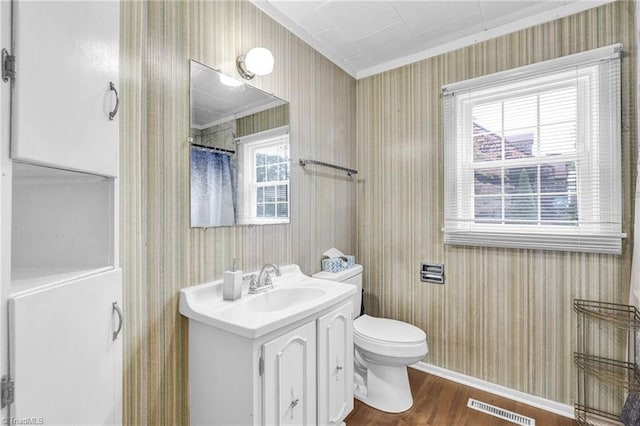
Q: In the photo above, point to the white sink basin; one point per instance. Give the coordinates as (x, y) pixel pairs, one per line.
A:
(284, 298)
(294, 297)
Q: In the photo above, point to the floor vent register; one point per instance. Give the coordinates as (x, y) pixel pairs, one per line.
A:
(500, 413)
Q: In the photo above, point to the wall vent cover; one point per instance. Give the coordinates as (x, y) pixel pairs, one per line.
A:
(500, 413)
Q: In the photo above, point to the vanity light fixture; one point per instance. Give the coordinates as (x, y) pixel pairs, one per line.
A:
(257, 61)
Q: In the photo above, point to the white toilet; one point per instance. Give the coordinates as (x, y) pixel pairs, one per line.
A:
(383, 349)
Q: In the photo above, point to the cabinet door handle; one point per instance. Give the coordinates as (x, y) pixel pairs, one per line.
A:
(113, 113)
(116, 309)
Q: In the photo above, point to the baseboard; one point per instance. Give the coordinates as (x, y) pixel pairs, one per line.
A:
(525, 398)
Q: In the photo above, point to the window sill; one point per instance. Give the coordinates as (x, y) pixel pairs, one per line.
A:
(558, 241)
(258, 221)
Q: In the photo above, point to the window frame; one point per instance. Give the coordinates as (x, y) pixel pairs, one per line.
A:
(460, 199)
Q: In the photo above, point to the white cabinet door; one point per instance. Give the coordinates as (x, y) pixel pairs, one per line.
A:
(289, 378)
(66, 56)
(65, 362)
(335, 365)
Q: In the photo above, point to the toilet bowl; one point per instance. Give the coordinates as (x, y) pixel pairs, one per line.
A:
(383, 350)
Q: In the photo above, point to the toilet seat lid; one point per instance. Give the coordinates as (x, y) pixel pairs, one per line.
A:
(387, 330)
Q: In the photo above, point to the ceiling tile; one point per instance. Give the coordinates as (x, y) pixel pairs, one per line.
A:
(422, 16)
(357, 19)
(389, 43)
(362, 62)
(302, 13)
(450, 31)
(335, 41)
(498, 12)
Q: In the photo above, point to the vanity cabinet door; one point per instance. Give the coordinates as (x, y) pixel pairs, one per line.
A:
(335, 365)
(66, 56)
(289, 378)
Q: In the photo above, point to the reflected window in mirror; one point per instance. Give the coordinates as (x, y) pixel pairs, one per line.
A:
(264, 177)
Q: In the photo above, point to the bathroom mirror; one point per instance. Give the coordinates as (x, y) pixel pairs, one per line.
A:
(239, 161)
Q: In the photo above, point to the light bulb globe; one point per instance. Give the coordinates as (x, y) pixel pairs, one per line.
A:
(259, 61)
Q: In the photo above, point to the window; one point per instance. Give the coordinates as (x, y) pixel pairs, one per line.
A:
(264, 177)
(271, 166)
(532, 156)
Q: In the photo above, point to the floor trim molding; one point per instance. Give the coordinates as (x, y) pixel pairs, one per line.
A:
(535, 401)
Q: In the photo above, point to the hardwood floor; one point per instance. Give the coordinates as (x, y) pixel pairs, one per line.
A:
(440, 402)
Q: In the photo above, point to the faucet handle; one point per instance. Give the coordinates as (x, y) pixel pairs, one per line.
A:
(252, 282)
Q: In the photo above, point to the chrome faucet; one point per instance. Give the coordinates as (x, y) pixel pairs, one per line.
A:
(263, 282)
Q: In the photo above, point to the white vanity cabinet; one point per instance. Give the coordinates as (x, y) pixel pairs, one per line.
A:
(301, 374)
(335, 365)
(67, 54)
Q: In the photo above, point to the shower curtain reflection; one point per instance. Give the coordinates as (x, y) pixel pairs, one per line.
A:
(212, 197)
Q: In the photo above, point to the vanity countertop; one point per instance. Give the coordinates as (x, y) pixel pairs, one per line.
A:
(294, 297)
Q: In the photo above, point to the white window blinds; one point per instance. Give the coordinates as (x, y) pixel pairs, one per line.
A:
(532, 156)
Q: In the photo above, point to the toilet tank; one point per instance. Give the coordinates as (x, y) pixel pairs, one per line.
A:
(349, 276)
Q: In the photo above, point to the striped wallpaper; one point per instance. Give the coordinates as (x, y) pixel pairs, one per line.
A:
(160, 253)
(504, 316)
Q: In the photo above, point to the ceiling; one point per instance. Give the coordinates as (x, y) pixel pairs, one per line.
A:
(368, 37)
